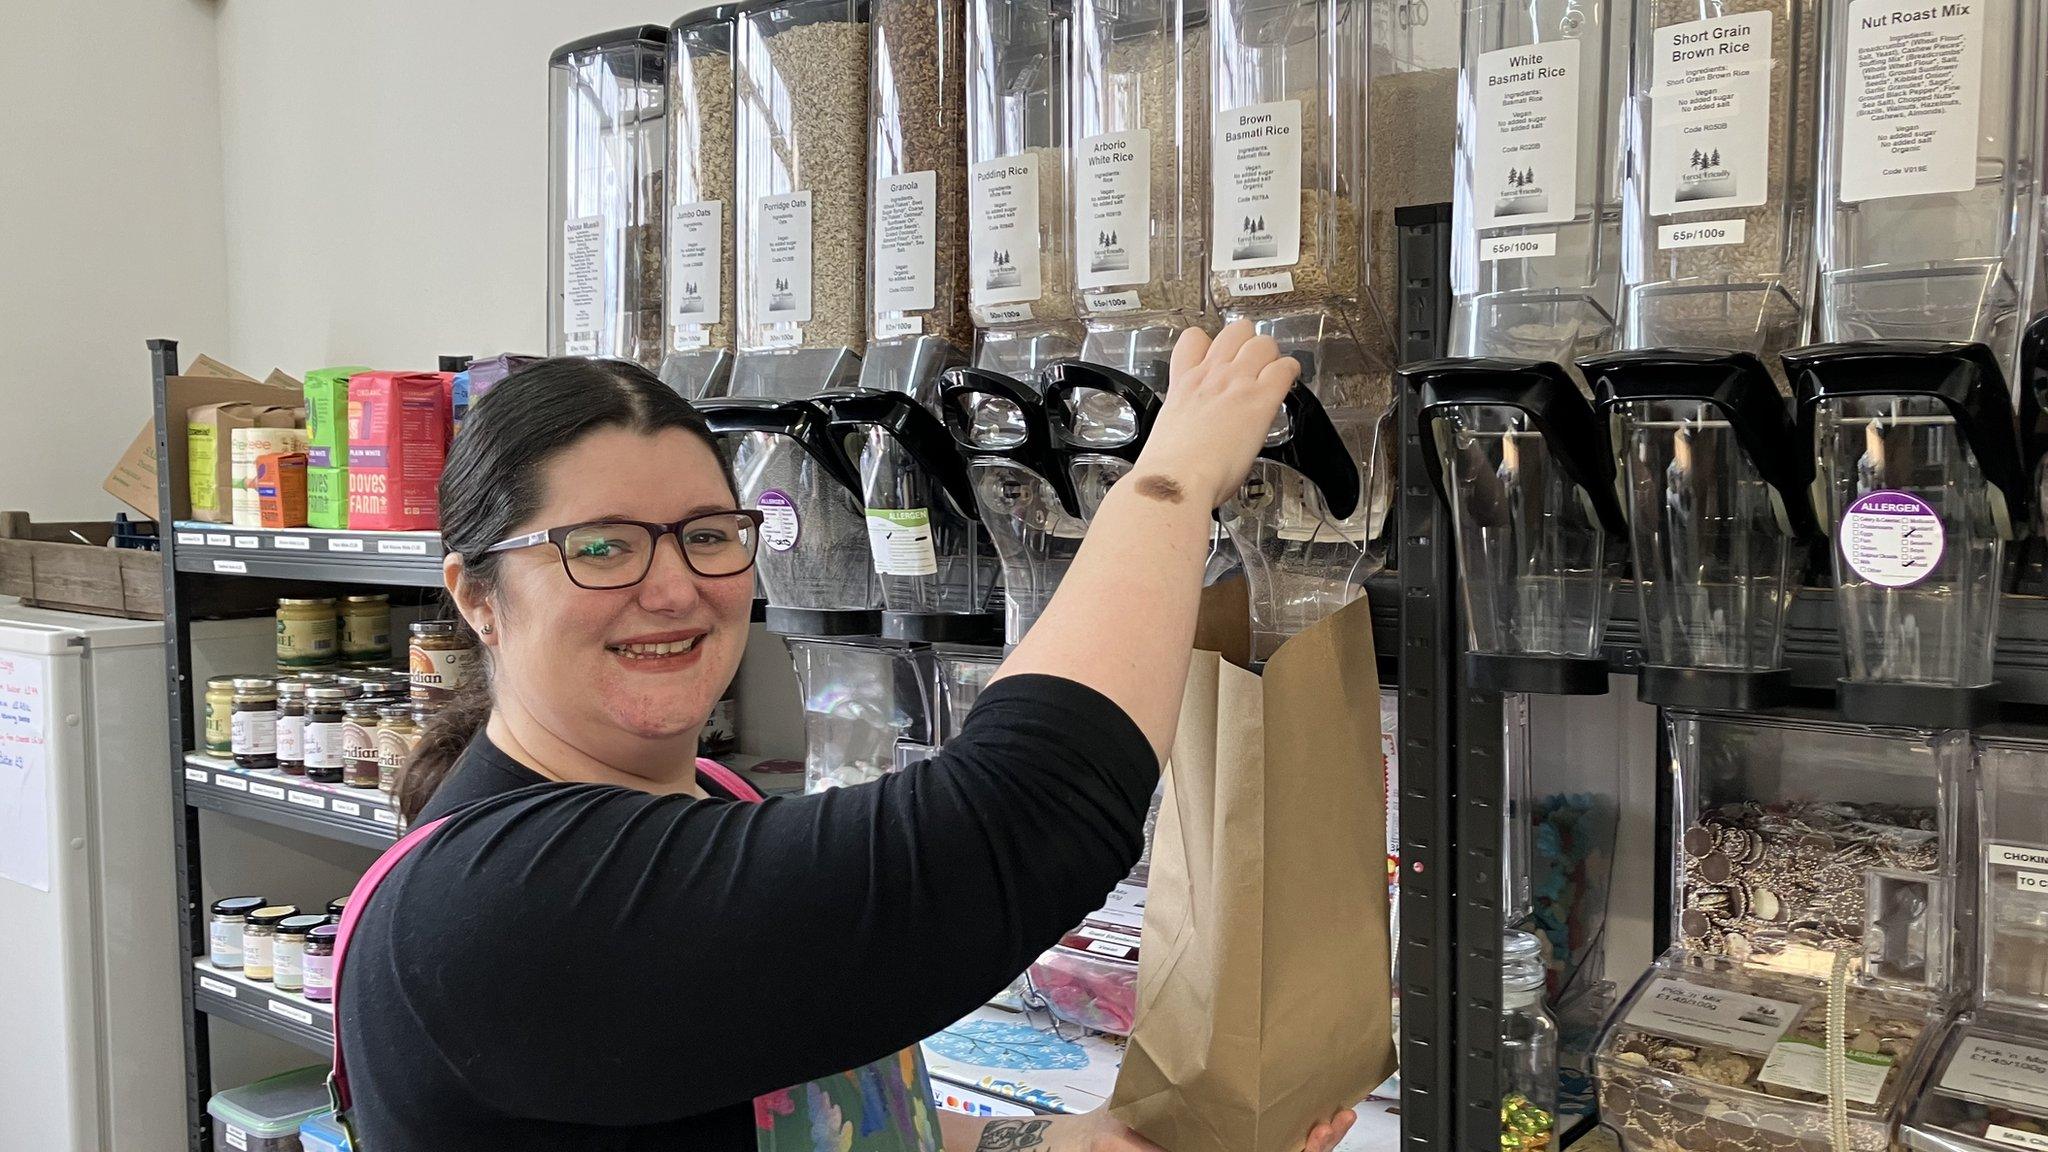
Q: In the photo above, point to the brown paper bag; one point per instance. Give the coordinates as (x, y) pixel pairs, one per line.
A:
(1264, 993)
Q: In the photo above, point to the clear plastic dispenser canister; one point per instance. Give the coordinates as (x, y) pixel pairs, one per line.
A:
(1919, 485)
(1987, 1090)
(1517, 453)
(963, 671)
(1715, 490)
(1289, 205)
(1100, 418)
(1020, 486)
(939, 575)
(812, 565)
(698, 307)
(1535, 259)
(1140, 184)
(607, 145)
(801, 192)
(2033, 389)
(1020, 262)
(1819, 882)
(863, 699)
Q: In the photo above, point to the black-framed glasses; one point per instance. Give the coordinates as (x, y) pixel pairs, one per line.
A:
(603, 555)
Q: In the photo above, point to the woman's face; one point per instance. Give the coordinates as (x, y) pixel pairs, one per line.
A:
(563, 651)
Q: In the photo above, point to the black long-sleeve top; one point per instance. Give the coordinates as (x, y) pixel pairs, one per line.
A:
(571, 966)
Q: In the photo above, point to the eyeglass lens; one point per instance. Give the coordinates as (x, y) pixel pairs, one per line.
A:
(620, 555)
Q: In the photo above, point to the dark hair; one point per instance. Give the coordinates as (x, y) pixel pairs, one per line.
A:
(492, 484)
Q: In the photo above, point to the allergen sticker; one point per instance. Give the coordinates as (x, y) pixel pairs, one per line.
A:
(1114, 171)
(1710, 115)
(906, 211)
(1892, 539)
(900, 541)
(1526, 168)
(582, 284)
(780, 525)
(1913, 74)
(1689, 1011)
(695, 256)
(1002, 202)
(1257, 187)
(782, 258)
(2015, 1075)
(1803, 1066)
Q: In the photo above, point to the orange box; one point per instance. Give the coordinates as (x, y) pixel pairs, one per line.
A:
(280, 485)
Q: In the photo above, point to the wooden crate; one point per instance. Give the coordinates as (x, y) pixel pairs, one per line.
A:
(48, 567)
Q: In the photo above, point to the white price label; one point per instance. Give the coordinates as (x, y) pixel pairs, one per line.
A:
(344, 544)
(1704, 234)
(306, 799)
(385, 816)
(231, 567)
(346, 807)
(401, 547)
(1518, 247)
(292, 544)
(218, 540)
(2015, 1075)
(267, 791)
(2015, 1137)
(191, 538)
(1263, 283)
(196, 775)
(247, 542)
(1696, 1012)
(1803, 1067)
(231, 783)
(217, 987)
(898, 326)
(287, 1011)
(1110, 303)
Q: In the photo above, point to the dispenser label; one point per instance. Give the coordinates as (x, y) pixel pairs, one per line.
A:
(1710, 115)
(1528, 246)
(1802, 1065)
(2010, 1074)
(780, 525)
(1702, 234)
(582, 284)
(1115, 209)
(695, 255)
(1892, 539)
(1914, 74)
(2016, 856)
(2015, 1137)
(1002, 201)
(905, 227)
(782, 259)
(1526, 160)
(1257, 187)
(900, 540)
(1696, 1012)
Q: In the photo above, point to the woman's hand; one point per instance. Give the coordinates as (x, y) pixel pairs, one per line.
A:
(1220, 402)
(1098, 1131)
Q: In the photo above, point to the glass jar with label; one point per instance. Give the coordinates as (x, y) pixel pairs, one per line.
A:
(308, 635)
(397, 733)
(366, 631)
(318, 973)
(337, 906)
(325, 750)
(359, 743)
(1528, 1046)
(291, 727)
(259, 934)
(218, 734)
(225, 926)
(607, 110)
(698, 304)
(443, 661)
(288, 951)
(254, 722)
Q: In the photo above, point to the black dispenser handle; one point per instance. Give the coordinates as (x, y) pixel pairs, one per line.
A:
(911, 425)
(1035, 453)
(1062, 378)
(800, 420)
(1315, 450)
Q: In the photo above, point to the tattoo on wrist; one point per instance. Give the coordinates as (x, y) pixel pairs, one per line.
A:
(1013, 1135)
(1153, 486)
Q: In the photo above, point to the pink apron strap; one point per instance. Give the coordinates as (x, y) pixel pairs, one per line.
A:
(729, 780)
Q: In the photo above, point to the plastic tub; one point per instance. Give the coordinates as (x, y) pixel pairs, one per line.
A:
(265, 1116)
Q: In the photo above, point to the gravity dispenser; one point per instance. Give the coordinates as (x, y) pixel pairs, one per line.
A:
(1288, 252)
(868, 708)
(1100, 418)
(697, 328)
(607, 146)
(1020, 263)
(1819, 875)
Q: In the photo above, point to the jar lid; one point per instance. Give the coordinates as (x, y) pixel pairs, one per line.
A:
(326, 600)
(291, 688)
(379, 598)
(325, 932)
(314, 678)
(335, 906)
(327, 694)
(254, 684)
(237, 905)
(423, 712)
(433, 628)
(221, 681)
(273, 913)
(396, 712)
(362, 708)
(300, 925)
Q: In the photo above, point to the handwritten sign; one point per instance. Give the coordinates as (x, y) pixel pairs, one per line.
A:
(24, 786)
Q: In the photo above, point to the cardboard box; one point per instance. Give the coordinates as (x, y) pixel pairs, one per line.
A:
(397, 441)
(133, 480)
(326, 496)
(327, 416)
(209, 463)
(280, 490)
(248, 446)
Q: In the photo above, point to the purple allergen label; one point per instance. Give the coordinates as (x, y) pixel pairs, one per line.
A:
(1892, 539)
(779, 523)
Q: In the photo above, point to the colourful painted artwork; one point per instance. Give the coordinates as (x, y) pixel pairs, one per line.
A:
(994, 1044)
(884, 1107)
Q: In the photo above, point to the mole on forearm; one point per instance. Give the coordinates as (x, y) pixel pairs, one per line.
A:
(1155, 487)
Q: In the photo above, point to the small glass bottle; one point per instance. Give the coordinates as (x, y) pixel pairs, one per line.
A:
(366, 631)
(396, 734)
(218, 738)
(1528, 1046)
(318, 971)
(337, 906)
(253, 735)
(291, 727)
(324, 716)
(259, 936)
(230, 916)
(359, 743)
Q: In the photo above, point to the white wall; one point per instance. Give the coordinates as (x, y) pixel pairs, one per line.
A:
(110, 232)
(386, 174)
